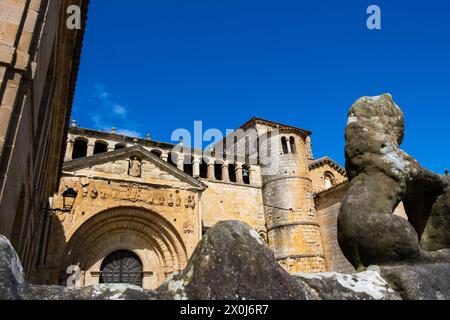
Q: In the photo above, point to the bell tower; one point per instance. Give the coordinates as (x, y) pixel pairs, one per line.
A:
(291, 221)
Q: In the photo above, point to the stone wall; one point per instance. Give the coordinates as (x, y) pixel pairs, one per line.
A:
(221, 202)
(37, 79)
(328, 204)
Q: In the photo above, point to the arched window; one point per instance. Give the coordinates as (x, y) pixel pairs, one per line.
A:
(122, 267)
(79, 149)
(203, 168)
(157, 153)
(188, 165)
(100, 147)
(284, 145)
(119, 146)
(218, 171)
(232, 172)
(292, 144)
(329, 180)
(246, 174)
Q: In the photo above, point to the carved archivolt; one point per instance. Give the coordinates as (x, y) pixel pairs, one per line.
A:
(92, 239)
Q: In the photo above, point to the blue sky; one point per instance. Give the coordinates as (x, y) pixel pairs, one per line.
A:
(155, 66)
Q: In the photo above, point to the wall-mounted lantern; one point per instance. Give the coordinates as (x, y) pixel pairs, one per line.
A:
(69, 196)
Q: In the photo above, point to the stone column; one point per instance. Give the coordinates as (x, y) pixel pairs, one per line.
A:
(90, 149)
(239, 173)
(288, 144)
(211, 175)
(111, 147)
(196, 168)
(69, 150)
(225, 175)
(251, 174)
(180, 161)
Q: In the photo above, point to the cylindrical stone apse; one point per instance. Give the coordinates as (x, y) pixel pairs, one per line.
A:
(293, 230)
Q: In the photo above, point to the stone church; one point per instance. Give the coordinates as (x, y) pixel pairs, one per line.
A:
(141, 208)
(131, 210)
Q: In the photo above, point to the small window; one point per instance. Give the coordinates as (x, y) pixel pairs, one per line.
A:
(100, 147)
(284, 145)
(292, 144)
(329, 180)
(79, 149)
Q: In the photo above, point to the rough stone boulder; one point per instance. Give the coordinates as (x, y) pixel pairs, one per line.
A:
(231, 262)
(381, 176)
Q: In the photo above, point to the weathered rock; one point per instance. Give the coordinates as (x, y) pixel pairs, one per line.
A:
(367, 285)
(381, 176)
(232, 262)
(419, 282)
(436, 235)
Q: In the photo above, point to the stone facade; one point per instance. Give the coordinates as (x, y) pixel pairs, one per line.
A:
(156, 200)
(39, 59)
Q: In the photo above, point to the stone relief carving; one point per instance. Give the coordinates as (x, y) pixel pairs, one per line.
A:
(94, 194)
(170, 200)
(134, 167)
(138, 193)
(188, 227)
(134, 191)
(189, 202)
(84, 184)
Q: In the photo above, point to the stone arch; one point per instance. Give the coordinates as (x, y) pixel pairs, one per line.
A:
(158, 153)
(100, 146)
(329, 179)
(144, 232)
(80, 147)
(119, 146)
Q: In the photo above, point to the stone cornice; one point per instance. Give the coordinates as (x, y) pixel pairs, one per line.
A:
(326, 160)
(126, 153)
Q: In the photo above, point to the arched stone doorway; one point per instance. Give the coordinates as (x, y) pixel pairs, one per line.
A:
(122, 266)
(148, 236)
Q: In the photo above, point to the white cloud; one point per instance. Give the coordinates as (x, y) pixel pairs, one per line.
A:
(100, 92)
(120, 110)
(110, 113)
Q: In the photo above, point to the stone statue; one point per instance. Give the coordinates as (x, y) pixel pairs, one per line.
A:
(134, 167)
(381, 176)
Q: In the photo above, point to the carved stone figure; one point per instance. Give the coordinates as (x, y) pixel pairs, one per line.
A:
(134, 167)
(170, 200)
(94, 194)
(381, 176)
